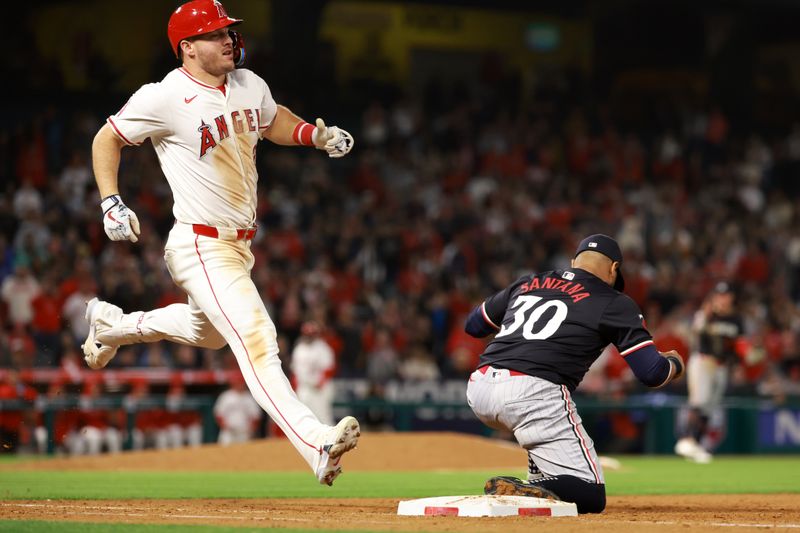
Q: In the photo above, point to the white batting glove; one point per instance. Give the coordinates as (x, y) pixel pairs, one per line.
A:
(119, 222)
(335, 141)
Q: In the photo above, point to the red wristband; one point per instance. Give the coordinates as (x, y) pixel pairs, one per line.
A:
(302, 134)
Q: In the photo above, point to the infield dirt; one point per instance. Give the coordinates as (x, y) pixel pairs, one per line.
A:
(388, 452)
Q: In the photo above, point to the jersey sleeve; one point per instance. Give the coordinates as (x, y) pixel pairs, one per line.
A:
(269, 109)
(144, 115)
(494, 307)
(622, 324)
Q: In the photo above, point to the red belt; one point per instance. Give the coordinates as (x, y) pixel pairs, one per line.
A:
(211, 231)
(485, 368)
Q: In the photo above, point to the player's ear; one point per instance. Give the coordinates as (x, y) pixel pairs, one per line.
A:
(572, 263)
(185, 46)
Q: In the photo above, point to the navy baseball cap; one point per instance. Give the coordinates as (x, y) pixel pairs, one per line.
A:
(609, 248)
(723, 287)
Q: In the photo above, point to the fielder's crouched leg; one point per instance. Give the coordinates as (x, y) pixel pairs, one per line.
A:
(588, 497)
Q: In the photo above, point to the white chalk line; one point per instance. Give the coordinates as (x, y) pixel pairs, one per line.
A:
(787, 526)
(714, 524)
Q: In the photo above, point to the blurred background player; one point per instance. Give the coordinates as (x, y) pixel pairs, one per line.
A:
(15, 424)
(149, 429)
(98, 426)
(313, 366)
(237, 413)
(183, 425)
(718, 342)
(65, 421)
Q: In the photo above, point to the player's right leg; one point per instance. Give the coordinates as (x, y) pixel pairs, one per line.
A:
(110, 328)
(100, 316)
(559, 448)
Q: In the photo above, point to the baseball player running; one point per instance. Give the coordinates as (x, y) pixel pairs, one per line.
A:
(717, 329)
(204, 120)
(549, 327)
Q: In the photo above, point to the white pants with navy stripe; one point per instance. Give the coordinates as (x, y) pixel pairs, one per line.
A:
(542, 417)
(706, 380)
(225, 308)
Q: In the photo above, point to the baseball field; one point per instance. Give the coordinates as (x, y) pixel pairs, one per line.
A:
(264, 485)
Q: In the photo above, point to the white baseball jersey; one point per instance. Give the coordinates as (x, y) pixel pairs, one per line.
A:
(237, 410)
(313, 361)
(205, 138)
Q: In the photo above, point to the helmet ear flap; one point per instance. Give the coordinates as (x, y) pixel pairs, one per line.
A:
(238, 47)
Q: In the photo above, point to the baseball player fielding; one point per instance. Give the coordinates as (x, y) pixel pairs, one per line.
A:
(549, 327)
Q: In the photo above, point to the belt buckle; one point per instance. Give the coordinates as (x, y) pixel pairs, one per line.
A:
(226, 234)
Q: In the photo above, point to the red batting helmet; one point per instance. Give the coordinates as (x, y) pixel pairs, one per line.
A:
(196, 18)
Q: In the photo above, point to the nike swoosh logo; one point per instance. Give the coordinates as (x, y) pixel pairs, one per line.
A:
(189, 100)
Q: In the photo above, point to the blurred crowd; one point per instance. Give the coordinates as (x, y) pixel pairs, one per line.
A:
(446, 199)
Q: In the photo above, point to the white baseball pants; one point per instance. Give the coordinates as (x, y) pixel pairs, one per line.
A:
(225, 308)
(706, 381)
(542, 417)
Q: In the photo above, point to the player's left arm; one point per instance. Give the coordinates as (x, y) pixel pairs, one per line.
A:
(487, 317)
(655, 369)
(288, 129)
(479, 324)
(281, 129)
(623, 325)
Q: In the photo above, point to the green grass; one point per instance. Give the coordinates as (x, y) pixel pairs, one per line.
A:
(725, 475)
(639, 475)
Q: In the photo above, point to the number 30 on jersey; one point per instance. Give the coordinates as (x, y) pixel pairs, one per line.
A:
(526, 304)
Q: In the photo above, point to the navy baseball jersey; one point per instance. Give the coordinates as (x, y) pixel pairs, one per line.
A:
(717, 337)
(554, 325)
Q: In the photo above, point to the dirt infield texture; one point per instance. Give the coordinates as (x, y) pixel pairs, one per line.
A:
(631, 513)
(395, 452)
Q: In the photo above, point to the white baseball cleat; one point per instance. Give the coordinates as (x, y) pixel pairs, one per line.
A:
(342, 438)
(690, 449)
(100, 315)
(702, 457)
(685, 447)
